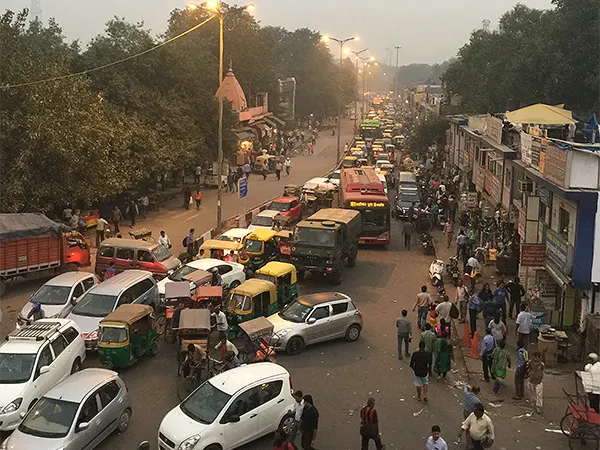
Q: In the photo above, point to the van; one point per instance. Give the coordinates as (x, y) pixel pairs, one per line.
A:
(407, 180)
(135, 254)
(130, 286)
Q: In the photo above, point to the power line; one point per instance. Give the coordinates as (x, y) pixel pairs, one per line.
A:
(114, 63)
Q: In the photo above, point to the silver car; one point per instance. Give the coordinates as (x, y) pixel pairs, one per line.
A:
(76, 414)
(315, 318)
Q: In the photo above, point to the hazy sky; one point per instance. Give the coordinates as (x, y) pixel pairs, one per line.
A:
(427, 30)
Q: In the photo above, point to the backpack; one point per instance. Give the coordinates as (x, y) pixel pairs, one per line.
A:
(184, 242)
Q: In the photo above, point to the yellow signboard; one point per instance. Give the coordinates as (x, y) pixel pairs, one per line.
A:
(367, 205)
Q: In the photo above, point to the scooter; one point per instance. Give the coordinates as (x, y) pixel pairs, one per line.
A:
(427, 242)
(453, 270)
(436, 271)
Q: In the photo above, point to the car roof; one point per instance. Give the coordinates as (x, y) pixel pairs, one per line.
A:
(206, 263)
(321, 297)
(120, 280)
(68, 278)
(30, 345)
(77, 386)
(286, 199)
(234, 380)
(236, 232)
(268, 213)
(129, 243)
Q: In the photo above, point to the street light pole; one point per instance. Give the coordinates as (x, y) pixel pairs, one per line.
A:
(357, 54)
(397, 47)
(220, 129)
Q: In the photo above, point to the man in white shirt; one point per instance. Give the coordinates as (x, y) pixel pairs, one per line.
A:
(144, 202)
(443, 309)
(593, 365)
(101, 227)
(297, 411)
(524, 322)
(474, 264)
(436, 441)
(227, 346)
(288, 165)
(480, 428)
(164, 239)
(222, 325)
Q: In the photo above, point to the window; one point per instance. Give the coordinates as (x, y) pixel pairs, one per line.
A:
(270, 391)
(107, 252)
(88, 283)
(125, 253)
(144, 286)
(145, 256)
(58, 345)
(108, 393)
(543, 212)
(78, 292)
(507, 177)
(563, 222)
(70, 334)
(246, 402)
(339, 308)
(261, 302)
(89, 410)
(45, 359)
(225, 268)
(128, 296)
(320, 313)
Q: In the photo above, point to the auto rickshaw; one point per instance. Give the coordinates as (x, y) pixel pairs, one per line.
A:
(253, 298)
(283, 276)
(257, 335)
(349, 162)
(284, 241)
(127, 334)
(208, 296)
(217, 249)
(194, 328)
(176, 293)
(264, 162)
(281, 222)
(292, 190)
(260, 247)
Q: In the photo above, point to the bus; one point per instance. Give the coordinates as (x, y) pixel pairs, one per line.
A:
(361, 190)
(371, 129)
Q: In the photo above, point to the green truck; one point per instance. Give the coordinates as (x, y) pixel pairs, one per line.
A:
(322, 242)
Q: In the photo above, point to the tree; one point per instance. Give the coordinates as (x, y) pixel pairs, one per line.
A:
(430, 131)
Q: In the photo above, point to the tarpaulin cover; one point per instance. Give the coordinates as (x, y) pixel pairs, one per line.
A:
(541, 114)
(15, 226)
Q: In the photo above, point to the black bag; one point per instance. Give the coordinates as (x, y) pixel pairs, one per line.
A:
(454, 313)
(369, 430)
(184, 242)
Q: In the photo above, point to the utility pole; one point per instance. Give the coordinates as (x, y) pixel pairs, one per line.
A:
(357, 54)
(36, 9)
(396, 78)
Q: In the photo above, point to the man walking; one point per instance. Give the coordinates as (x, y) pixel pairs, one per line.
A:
(164, 239)
(536, 381)
(428, 337)
(521, 372)
(101, 227)
(404, 333)
(479, 427)
(436, 441)
(422, 303)
(443, 310)
(500, 297)
(461, 297)
(132, 212)
(517, 291)
(309, 423)
(407, 231)
(144, 203)
(421, 363)
(288, 166)
(524, 322)
(190, 244)
(470, 399)
(116, 219)
(278, 167)
(369, 426)
(487, 347)
(449, 232)
(298, 408)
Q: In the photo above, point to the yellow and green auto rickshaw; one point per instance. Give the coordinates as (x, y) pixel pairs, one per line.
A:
(260, 247)
(253, 298)
(349, 162)
(264, 162)
(127, 334)
(216, 249)
(283, 276)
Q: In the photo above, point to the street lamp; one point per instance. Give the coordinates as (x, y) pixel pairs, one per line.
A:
(357, 54)
(341, 43)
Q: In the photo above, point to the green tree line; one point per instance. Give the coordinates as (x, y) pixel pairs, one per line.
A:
(87, 138)
(549, 56)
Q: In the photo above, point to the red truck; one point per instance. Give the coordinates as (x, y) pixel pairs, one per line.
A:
(32, 245)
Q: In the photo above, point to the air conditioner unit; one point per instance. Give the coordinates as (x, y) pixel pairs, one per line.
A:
(525, 187)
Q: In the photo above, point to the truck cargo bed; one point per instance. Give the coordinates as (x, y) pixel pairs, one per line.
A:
(20, 256)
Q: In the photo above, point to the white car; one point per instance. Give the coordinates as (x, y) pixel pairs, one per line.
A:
(33, 360)
(383, 181)
(232, 273)
(263, 219)
(59, 295)
(231, 409)
(236, 235)
(334, 177)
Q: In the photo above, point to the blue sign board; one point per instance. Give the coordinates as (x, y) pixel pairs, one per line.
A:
(558, 251)
(243, 187)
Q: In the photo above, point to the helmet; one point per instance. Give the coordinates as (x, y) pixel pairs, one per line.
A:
(593, 356)
(37, 305)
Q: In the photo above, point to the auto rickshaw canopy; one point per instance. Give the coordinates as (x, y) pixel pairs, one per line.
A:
(209, 292)
(253, 287)
(257, 328)
(129, 313)
(278, 269)
(215, 244)
(285, 234)
(177, 289)
(261, 234)
(198, 319)
(198, 277)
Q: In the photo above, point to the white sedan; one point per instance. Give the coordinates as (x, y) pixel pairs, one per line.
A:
(232, 273)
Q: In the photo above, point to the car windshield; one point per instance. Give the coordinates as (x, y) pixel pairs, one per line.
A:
(262, 221)
(161, 253)
(181, 272)
(295, 312)
(314, 236)
(95, 305)
(230, 239)
(52, 295)
(205, 403)
(334, 176)
(113, 334)
(277, 206)
(253, 246)
(374, 218)
(239, 302)
(49, 418)
(263, 276)
(16, 367)
(408, 197)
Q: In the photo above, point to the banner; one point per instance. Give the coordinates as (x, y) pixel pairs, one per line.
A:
(526, 140)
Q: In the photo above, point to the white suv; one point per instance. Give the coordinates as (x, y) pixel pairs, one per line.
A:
(33, 360)
(231, 409)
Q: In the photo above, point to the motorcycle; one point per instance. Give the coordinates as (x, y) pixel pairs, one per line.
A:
(453, 270)
(436, 270)
(427, 242)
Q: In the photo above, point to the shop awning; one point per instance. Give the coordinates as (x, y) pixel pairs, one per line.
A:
(541, 114)
(562, 280)
(244, 135)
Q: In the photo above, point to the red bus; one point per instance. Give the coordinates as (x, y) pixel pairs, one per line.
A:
(361, 189)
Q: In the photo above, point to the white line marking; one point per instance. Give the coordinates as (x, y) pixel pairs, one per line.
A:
(181, 215)
(191, 217)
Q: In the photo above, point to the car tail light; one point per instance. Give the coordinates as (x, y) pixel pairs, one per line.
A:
(92, 335)
(384, 236)
(358, 313)
(291, 386)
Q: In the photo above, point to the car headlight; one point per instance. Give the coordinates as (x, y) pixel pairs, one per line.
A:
(4, 445)
(92, 336)
(170, 271)
(12, 406)
(189, 443)
(283, 332)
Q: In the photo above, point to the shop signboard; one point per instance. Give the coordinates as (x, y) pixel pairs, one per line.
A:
(472, 199)
(544, 196)
(522, 224)
(533, 255)
(543, 146)
(494, 129)
(555, 167)
(535, 153)
(557, 250)
(478, 177)
(526, 140)
(492, 186)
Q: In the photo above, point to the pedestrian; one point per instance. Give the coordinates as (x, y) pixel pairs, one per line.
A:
(278, 168)
(404, 333)
(474, 305)
(421, 363)
(470, 399)
(281, 441)
(190, 244)
(498, 328)
(449, 232)
(144, 203)
(297, 411)
(197, 173)
(187, 196)
(443, 355)
(535, 381)
(461, 243)
(501, 296)
(164, 239)
(479, 428)
(485, 353)
(230, 180)
(288, 166)
(116, 218)
(221, 322)
(436, 441)
(411, 212)
(309, 423)
(500, 364)
(422, 303)
(490, 310)
(132, 212)
(101, 228)
(264, 171)
(524, 323)
(369, 426)
(110, 271)
(198, 199)
(428, 337)
(443, 310)
(247, 170)
(407, 231)
(521, 372)
(461, 298)
(517, 291)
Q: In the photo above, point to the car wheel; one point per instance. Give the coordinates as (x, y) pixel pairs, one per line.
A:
(294, 346)
(214, 447)
(124, 421)
(234, 284)
(287, 424)
(154, 349)
(352, 333)
(76, 367)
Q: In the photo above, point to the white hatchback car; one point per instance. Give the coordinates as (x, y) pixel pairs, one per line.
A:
(236, 235)
(232, 273)
(59, 295)
(33, 360)
(263, 219)
(231, 409)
